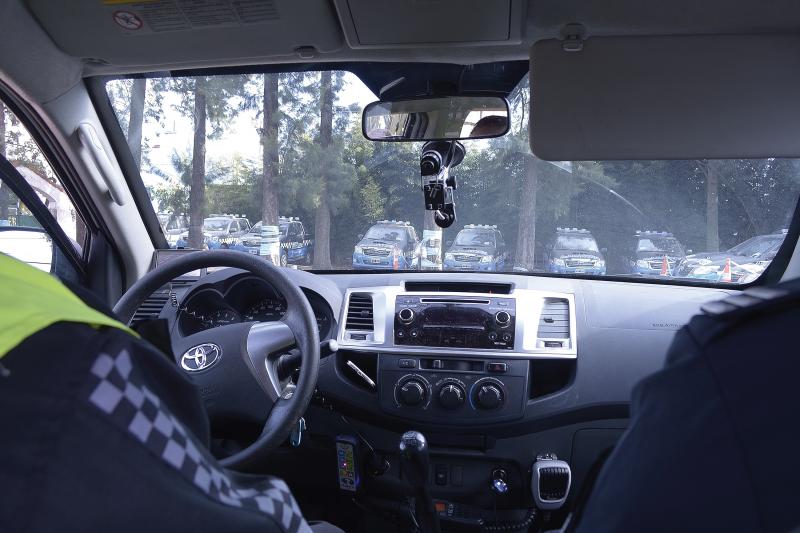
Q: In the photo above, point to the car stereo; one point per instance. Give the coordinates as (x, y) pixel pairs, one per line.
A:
(480, 322)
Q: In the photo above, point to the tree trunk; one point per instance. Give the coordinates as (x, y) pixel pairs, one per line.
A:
(712, 206)
(269, 141)
(322, 220)
(526, 234)
(198, 191)
(5, 197)
(136, 119)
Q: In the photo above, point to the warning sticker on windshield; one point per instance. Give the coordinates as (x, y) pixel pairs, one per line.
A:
(159, 16)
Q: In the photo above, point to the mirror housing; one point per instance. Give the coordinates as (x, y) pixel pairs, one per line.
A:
(446, 118)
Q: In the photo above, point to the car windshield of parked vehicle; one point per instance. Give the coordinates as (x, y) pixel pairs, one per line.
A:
(473, 237)
(215, 224)
(576, 243)
(386, 234)
(273, 147)
(659, 244)
(757, 246)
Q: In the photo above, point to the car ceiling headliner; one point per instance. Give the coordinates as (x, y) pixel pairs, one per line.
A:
(75, 39)
(81, 28)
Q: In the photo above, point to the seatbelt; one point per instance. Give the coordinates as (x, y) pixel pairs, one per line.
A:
(33, 300)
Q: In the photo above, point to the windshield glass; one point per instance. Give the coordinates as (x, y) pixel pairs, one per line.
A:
(659, 244)
(757, 246)
(576, 243)
(473, 237)
(266, 146)
(383, 233)
(215, 224)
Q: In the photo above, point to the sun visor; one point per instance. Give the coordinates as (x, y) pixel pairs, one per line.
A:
(678, 97)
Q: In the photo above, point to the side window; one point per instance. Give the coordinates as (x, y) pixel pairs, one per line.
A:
(21, 233)
(234, 227)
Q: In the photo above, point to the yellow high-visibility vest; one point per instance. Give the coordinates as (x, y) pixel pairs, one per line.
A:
(31, 300)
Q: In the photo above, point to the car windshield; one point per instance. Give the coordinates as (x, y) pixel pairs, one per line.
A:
(290, 144)
(383, 233)
(576, 243)
(471, 237)
(659, 244)
(216, 224)
(757, 246)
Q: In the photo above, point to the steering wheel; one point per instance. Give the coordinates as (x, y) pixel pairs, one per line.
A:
(242, 381)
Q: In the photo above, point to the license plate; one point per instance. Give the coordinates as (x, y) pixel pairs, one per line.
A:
(253, 251)
(374, 261)
(579, 270)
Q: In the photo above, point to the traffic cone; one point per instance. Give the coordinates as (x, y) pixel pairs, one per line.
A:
(726, 272)
(664, 266)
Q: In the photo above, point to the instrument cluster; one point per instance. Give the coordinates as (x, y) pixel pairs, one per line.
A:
(246, 300)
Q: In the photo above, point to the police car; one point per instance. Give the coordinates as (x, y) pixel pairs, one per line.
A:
(219, 231)
(387, 245)
(653, 253)
(297, 246)
(575, 251)
(477, 247)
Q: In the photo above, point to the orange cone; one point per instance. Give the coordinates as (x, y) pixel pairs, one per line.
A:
(726, 272)
(664, 266)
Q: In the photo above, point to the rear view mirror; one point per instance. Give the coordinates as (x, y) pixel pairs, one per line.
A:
(438, 118)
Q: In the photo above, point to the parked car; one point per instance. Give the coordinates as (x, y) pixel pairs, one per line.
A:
(297, 245)
(748, 260)
(387, 245)
(219, 231)
(575, 251)
(477, 248)
(174, 227)
(652, 253)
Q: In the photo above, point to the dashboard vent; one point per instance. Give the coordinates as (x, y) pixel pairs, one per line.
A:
(360, 313)
(554, 322)
(454, 286)
(151, 308)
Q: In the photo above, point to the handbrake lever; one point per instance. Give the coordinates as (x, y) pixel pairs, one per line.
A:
(289, 362)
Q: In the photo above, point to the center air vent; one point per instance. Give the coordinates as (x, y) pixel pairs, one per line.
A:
(360, 313)
(554, 322)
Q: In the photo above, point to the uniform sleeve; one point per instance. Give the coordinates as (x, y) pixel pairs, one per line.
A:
(656, 478)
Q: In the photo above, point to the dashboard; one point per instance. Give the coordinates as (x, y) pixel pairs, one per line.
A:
(245, 299)
(494, 369)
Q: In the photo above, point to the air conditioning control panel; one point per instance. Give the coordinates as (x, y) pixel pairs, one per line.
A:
(452, 390)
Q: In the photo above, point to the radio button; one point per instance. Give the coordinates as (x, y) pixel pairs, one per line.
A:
(502, 318)
(405, 316)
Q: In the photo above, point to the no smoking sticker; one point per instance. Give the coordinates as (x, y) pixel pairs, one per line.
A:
(128, 20)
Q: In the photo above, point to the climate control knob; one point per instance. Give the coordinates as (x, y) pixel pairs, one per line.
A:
(405, 316)
(489, 396)
(412, 393)
(451, 396)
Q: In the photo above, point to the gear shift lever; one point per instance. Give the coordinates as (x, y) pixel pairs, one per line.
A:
(415, 464)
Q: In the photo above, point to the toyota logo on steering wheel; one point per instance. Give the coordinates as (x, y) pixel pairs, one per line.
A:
(200, 357)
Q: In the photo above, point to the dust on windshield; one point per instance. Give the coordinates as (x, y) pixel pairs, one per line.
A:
(287, 148)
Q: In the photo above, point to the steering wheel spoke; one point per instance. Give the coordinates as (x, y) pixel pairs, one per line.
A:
(266, 341)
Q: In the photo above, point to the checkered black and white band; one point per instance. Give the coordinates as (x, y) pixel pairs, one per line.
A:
(118, 391)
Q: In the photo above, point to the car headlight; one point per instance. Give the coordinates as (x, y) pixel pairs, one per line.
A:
(487, 259)
(642, 263)
(600, 263)
(358, 250)
(560, 262)
(449, 257)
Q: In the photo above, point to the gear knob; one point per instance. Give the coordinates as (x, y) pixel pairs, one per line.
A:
(414, 458)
